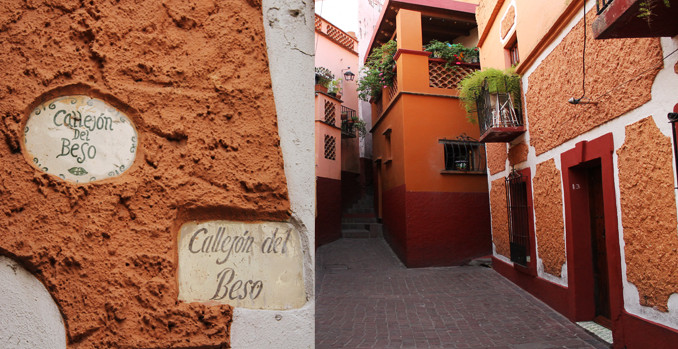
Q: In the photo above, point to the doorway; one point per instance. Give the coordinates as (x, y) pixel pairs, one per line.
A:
(601, 284)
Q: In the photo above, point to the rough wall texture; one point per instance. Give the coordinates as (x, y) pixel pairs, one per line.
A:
(610, 65)
(483, 13)
(548, 212)
(518, 153)
(648, 208)
(496, 157)
(194, 78)
(508, 21)
(500, 235)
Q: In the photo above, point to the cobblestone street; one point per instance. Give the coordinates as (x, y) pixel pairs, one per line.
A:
(367, 299)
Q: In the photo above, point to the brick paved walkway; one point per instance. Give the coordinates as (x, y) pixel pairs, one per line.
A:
(367, 299)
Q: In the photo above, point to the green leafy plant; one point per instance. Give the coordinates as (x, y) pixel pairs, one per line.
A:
(452, 53)
(377, 72)
(323, 76)
(333, 87)
(359, 124)
(646, 7)
(494, 80)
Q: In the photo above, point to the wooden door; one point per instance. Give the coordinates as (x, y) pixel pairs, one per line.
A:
(598, 246)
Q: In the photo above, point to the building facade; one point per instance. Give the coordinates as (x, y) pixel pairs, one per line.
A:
(336, 110)
(583, 199)
(431, 188)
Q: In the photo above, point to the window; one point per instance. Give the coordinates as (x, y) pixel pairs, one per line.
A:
(512, 49)
(330, 111)
(330, 147)
(518, 219)
(464, 154)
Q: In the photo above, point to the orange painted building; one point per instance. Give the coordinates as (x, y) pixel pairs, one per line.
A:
(431, 188)
(583, 201)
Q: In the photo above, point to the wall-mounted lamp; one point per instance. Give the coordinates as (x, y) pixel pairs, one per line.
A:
(348, 75)
(580, 100)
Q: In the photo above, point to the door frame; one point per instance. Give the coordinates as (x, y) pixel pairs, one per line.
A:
(578, 232)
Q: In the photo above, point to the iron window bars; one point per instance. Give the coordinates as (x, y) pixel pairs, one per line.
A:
(464, 154)
(601, 5)
(497, 109)
(518, 222)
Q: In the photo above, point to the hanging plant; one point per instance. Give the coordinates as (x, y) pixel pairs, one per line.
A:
(495, 81)
(646, 7)
(452, 53)
(378, 71)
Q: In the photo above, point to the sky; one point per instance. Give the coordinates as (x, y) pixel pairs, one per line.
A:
(341, 13)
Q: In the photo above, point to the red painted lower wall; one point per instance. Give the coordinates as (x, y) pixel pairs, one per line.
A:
(393, 218)
(436, 228)
(637, 333)
(328, 206)
(554, 295)
(446, 228)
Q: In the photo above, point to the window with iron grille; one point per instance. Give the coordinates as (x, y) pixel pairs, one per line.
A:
(464, 154)
(330, 147)
(330, 111)
(518, 219)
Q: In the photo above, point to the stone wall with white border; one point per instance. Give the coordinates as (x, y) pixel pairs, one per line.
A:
(663, 100)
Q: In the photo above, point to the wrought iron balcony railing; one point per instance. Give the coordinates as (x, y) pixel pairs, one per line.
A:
(499, 118)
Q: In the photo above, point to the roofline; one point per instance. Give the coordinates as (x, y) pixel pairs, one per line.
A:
(450, 5)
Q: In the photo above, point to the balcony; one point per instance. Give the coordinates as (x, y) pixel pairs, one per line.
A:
(498, 118)
(348, 117)
(635, 19)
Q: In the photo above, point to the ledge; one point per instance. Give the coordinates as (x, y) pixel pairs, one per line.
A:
(458, 172)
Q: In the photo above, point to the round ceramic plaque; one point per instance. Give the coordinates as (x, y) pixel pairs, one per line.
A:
(80, 139)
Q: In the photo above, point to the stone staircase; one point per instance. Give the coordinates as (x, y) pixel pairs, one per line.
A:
(360, 220)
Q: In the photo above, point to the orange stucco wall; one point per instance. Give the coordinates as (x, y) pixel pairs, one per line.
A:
(194, 79)
(533, 19)
(391, 148)
(648, 205)
(548, 213)
(500, 235)
(326, 167)
(430, 119)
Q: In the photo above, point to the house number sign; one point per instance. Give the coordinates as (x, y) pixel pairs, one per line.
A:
(80, 139)
(248, 265)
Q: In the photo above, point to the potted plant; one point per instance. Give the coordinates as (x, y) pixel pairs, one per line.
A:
(500, 85)
(323, 76)
(334, 88)
(452, 53)
(359, 125)
(461, 164)
(378, 72)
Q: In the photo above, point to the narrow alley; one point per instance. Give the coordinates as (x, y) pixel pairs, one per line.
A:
(367, 299)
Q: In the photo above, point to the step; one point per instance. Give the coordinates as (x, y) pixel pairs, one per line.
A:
(358, 220)
(355, 233)
(355, 225)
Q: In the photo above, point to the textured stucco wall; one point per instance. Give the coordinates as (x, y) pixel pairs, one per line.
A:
(289, 40)
(548, 214)
(483, 13)
(610, 63)
(496, 157)
(508, 21)
(500, 235)
(196, 80)
(518, 153)
(29, 318)
(648, 207)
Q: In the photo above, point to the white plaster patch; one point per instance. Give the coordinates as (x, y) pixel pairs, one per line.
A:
(29, 318)
(249, 265)
(80, 139)
(290, 59)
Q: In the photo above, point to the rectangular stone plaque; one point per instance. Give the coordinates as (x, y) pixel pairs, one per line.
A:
(247, 265)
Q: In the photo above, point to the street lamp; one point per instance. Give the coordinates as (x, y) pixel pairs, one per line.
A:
(348, 75)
